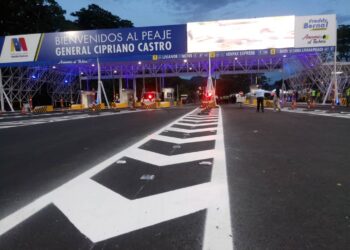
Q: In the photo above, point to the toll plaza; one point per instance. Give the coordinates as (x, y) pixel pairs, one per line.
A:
(124, 160)
(68, 62)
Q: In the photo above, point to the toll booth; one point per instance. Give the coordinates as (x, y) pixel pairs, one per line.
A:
(87, 98)
(126, 95)
(168, 94)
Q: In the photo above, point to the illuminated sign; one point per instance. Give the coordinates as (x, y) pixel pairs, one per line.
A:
(241, 34)
(315, 31)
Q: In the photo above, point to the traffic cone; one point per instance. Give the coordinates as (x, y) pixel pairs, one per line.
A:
(333, 106)
(23, 111)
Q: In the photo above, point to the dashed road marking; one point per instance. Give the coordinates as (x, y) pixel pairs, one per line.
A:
(100, 213)
(318, 112)
(35, 121)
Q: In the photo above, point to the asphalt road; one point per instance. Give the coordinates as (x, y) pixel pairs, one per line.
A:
(287, 180)
(36, 159)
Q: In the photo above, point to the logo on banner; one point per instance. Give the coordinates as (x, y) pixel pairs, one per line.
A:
(316, 39)
(18, 44)
(316, 24)
(19, 47)
(316, 29)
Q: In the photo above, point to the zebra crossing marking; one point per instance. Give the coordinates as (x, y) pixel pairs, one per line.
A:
(100, 213)
(35, 121)
(318, 112)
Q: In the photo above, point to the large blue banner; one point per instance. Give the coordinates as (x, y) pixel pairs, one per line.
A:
(112, 44)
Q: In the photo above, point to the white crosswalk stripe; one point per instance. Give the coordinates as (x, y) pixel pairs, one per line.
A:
(100, 213)
(318, 112)
(35, 121)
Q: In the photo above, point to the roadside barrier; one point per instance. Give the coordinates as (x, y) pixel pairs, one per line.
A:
(268, 104)
(164, 104)
(97, 107)
(76, 107)
(40, 109)
(121, 105)
(149, 106)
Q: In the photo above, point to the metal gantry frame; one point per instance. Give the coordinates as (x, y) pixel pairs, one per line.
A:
(320, 70)
(20, 84)
(300, 71)
(182, 67)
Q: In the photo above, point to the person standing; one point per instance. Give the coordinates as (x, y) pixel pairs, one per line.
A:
(313, 97)
(260, 94)
(347, 97)
(276, 99)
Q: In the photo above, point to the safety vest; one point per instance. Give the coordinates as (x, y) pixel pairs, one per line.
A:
(313, 93)
(348, 92)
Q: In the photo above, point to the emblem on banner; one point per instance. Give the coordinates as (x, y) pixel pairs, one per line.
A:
(18, 45)
(212, 54)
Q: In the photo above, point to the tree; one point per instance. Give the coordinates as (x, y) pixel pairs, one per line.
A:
(94, 17)
(343, 42)
(30, 16)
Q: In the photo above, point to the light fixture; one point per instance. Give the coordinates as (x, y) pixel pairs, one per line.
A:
(236, 58)
(185, 60)
(139, 63)
(54, 67)
(93, 65)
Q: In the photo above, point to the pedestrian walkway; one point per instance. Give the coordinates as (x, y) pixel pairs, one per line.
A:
(51, 118)
(319, 112)
(167, 191)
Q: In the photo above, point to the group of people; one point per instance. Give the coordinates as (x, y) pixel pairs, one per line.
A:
(260, 96)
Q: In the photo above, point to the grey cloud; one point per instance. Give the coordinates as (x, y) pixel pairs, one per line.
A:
(329, 11)
(343, 19)
(199, 10)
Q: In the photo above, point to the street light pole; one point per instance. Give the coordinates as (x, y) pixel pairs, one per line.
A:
(335, 78)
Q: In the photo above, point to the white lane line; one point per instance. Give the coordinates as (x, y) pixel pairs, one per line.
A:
(30, 122)
(218, 231)
(1, 127)
(106, 214)
(164, 160)
(201, 117)
(196, 121)
(101, 214)
(196, 125)
(184, 140)
(190, 130)
(300, 111)
(25, 212)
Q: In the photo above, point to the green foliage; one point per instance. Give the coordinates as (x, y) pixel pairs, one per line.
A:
(40, 16)
(94, 17)
(343, 42)
(30, 16)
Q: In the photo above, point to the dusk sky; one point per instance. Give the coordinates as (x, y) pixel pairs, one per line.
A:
(163, 12)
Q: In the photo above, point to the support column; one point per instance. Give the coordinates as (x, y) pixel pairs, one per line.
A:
(99, 95)
(3, 94)
(143, 80)
(335, 78)
(134, 88)
(2, 102)
(120, 88)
